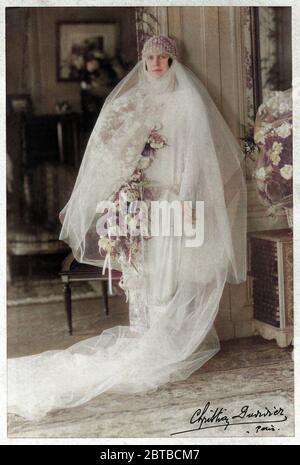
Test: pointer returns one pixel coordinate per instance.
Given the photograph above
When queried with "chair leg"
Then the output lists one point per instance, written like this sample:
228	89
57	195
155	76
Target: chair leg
68	306
105	296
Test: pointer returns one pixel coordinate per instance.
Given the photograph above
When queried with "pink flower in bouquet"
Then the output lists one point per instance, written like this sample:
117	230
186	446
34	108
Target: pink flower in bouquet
155	140
153	143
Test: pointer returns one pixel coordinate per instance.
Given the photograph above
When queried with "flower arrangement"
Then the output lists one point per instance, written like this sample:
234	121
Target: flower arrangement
273	136
97	72
125	247
88	61
154	142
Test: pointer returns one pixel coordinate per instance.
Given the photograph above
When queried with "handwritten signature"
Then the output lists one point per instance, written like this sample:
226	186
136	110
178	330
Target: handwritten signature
217	418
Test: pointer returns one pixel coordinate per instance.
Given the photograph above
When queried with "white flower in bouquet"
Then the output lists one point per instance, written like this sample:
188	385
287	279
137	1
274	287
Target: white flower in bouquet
286	172
259	136
114	230
106	243
132	223
129	194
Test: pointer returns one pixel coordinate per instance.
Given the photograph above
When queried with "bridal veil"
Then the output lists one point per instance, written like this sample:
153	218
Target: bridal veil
176	332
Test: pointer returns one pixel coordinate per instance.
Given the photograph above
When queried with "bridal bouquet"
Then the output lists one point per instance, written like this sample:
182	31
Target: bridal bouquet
136	188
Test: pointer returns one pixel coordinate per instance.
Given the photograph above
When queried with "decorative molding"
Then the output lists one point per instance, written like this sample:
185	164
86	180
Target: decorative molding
255	57
241	80
247	67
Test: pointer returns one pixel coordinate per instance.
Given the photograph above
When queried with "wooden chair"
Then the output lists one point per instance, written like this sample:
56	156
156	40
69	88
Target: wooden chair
73	271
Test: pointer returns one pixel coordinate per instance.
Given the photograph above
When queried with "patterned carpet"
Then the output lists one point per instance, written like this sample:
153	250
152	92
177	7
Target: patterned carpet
246	372
47	290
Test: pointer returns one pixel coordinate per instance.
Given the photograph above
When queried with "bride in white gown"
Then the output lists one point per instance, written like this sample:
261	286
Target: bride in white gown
159	125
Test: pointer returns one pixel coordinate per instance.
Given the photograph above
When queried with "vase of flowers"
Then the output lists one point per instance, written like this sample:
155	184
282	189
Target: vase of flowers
97	80
273	136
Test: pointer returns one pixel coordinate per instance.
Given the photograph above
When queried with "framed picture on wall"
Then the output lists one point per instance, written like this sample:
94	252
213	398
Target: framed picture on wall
80	45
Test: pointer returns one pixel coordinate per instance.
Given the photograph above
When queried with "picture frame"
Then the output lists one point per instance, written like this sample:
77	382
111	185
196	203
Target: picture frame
73	41
19	104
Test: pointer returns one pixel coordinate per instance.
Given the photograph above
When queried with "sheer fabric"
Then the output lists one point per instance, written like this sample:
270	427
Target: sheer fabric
175	290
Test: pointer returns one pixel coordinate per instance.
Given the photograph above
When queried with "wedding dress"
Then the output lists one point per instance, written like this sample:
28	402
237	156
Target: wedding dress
173	290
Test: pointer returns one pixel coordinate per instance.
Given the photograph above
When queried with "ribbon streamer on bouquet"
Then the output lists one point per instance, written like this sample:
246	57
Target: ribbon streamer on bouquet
107	263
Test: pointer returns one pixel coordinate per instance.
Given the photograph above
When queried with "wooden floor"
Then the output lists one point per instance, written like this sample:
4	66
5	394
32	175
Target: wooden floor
246	372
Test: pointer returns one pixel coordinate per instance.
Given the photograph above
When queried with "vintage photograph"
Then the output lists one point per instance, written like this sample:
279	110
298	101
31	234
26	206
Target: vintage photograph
149	188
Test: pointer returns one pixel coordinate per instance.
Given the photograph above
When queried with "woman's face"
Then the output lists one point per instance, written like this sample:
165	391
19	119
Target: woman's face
157	64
